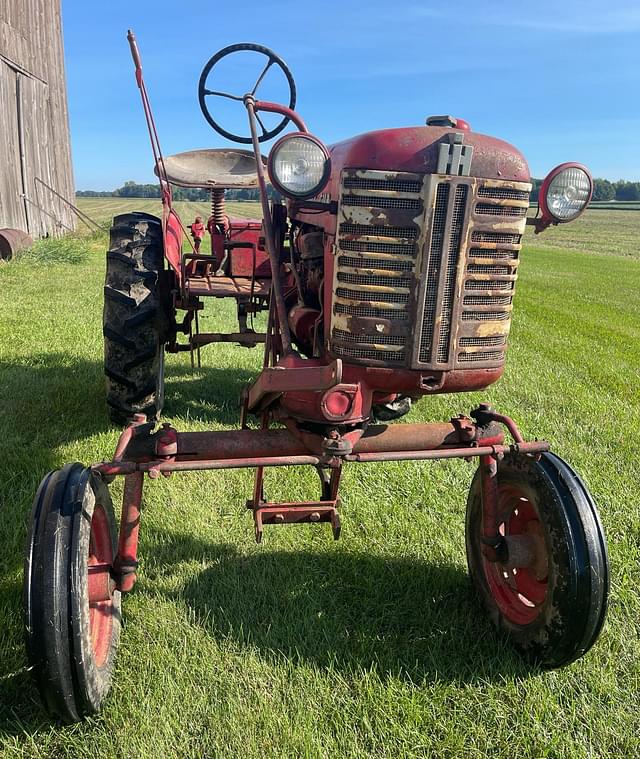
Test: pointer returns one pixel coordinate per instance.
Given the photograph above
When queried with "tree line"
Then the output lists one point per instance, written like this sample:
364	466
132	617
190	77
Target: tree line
134	190
603	190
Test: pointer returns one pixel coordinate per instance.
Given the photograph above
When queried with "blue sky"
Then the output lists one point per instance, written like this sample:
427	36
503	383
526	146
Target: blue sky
559	80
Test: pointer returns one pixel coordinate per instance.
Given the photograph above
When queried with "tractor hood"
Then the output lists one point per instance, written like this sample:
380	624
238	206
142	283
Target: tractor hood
418	149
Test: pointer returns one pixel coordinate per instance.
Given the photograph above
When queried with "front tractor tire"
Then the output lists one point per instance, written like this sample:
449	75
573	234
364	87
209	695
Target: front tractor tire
137	319
548	590
71	606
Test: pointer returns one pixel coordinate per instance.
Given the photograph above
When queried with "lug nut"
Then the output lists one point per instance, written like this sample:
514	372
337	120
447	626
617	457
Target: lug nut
315	516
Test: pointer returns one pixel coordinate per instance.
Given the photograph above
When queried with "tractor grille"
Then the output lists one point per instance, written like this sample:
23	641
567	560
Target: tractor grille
381	296
378	280
408	204
347	337
491	210
503	193
373	353
482	341
375	263
390	183
425	269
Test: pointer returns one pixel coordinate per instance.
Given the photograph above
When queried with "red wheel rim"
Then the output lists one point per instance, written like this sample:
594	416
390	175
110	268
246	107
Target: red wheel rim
100	585
519	592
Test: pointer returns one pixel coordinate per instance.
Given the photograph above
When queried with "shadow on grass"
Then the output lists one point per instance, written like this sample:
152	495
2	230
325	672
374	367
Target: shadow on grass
46	402
335	608
346	610
209	394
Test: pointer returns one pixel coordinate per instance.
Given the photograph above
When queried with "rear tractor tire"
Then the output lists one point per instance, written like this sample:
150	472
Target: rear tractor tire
138	318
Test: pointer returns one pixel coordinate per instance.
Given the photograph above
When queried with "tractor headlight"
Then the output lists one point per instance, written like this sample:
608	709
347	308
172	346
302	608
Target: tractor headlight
299	165
566	192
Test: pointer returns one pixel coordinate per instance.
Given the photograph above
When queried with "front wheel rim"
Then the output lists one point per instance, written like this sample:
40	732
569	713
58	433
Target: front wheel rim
101	586
519	592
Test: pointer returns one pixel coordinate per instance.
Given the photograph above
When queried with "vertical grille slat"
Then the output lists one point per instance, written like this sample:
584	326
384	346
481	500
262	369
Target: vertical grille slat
459	207
433	270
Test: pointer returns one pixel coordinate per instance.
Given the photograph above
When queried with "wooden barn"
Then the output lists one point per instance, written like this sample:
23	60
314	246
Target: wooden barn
36	177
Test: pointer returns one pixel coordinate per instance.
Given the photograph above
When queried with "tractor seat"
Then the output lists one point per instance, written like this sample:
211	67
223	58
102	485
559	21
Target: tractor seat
212	168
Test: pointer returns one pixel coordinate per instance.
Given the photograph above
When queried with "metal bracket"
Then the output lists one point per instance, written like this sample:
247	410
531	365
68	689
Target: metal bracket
297	513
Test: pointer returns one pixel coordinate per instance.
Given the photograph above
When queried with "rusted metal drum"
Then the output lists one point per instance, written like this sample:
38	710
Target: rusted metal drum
11	241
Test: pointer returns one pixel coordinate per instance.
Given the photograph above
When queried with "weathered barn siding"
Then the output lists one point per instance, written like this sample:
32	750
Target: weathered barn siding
35	151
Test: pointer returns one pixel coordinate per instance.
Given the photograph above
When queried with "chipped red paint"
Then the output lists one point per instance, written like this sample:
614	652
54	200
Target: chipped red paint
172	238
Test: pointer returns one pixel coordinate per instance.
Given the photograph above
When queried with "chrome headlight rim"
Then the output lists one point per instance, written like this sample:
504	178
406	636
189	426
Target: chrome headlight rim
279	186
546	185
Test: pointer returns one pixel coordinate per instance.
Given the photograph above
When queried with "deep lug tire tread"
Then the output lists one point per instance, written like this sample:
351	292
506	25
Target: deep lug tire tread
136	320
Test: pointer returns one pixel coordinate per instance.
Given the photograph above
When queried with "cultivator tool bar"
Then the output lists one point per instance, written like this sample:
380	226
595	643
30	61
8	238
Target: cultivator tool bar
140	450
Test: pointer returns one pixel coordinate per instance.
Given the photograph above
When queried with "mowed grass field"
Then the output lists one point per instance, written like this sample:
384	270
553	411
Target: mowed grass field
102	210
609	232
373	646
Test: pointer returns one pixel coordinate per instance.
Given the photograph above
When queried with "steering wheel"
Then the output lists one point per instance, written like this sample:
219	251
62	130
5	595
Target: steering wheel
204	92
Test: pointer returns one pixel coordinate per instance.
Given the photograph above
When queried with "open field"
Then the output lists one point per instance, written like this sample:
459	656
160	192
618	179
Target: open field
615	232
606	232
103	210
302	647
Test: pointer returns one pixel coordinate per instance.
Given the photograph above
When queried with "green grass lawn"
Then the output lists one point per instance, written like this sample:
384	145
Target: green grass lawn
303	647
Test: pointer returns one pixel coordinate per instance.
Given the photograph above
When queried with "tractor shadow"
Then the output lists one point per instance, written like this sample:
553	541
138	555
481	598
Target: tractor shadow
51	401
403	618
208	394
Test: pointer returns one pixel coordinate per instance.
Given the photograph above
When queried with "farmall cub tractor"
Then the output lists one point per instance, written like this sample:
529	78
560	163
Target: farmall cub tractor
388	275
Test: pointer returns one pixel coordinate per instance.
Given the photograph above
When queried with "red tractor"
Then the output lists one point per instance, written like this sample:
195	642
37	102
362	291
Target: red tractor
391	276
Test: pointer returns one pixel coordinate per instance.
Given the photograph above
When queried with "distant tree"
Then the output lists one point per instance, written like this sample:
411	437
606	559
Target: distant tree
603	189
132	189
94	194
627	190
535	190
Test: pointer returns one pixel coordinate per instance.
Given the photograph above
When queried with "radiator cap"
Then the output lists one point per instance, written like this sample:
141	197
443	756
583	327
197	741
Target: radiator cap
448	121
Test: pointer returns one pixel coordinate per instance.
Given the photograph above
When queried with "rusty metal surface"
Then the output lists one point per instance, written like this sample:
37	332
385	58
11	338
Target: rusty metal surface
247	339
12	241
197	463
310	512
209	168
292	374
226	287
416	149
450	453
126	560
281	444
425	269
